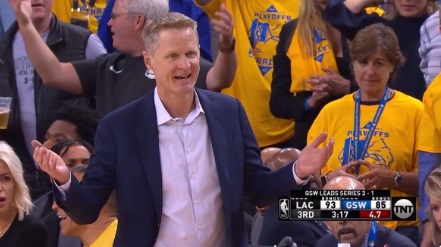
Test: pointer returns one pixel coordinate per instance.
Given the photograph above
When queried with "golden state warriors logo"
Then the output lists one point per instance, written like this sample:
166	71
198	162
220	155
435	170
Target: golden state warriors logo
322	45
378	151
264	36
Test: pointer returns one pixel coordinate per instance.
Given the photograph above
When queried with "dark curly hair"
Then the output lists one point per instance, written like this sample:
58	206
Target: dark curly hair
85	120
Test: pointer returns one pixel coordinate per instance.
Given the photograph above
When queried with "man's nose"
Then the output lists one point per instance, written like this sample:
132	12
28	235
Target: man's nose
184	62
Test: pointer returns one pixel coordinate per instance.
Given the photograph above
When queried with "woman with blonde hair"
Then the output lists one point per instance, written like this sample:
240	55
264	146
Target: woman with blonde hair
406	19
17	228
433	190
311	68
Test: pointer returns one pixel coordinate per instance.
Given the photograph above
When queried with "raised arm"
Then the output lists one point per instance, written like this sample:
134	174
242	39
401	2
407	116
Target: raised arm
221	75
356	6
349	16
53	73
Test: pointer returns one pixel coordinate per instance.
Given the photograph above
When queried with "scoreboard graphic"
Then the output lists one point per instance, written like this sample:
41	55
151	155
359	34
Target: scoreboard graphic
328	205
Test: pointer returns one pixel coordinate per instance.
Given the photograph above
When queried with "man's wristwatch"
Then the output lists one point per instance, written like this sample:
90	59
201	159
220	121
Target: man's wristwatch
229	48
398	178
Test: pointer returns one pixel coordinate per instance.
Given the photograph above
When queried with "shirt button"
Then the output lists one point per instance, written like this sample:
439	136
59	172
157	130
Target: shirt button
188	150
192	175
196	201
199	227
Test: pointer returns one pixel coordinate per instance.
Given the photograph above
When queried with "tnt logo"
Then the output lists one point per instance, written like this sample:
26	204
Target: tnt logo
404	208
284	209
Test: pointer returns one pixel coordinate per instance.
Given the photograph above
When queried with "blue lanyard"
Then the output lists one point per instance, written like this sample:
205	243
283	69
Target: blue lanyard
360	154
370	240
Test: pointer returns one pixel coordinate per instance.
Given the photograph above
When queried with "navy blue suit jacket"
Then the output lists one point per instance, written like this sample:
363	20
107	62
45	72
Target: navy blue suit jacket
126	158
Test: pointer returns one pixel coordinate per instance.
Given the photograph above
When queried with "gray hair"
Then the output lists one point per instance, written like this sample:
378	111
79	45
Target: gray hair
21	199
150	9
172	20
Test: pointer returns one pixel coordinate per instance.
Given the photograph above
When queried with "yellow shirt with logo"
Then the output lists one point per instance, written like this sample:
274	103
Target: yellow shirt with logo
394	142
257	27
430	130
62	9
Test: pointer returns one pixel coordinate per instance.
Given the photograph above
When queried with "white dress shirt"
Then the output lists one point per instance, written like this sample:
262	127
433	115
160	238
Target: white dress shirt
192	210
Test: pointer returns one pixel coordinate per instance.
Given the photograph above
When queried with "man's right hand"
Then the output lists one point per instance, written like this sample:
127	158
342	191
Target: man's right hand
23	10
51	163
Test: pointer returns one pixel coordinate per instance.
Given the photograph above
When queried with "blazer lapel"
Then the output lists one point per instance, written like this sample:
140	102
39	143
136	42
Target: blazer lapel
148	145
216	126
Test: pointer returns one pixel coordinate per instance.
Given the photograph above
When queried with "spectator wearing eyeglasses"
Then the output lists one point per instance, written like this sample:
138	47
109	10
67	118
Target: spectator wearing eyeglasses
119	78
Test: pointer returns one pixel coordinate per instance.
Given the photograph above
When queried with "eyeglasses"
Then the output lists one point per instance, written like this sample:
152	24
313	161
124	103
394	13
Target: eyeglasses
79	169
116	15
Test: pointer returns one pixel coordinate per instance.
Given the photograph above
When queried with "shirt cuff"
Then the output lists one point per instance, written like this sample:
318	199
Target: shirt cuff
298	180
64	187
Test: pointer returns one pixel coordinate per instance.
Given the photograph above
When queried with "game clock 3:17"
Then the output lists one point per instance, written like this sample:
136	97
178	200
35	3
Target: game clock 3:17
340	214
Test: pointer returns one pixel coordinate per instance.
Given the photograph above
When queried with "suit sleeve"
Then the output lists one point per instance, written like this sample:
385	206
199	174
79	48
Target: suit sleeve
84	201
263	186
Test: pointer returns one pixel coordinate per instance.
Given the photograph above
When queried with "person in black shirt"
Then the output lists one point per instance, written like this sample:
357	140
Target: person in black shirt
119	78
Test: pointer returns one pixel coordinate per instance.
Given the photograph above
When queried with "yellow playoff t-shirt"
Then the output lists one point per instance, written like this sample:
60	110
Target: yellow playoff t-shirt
257	27
430	130
62	9
393	144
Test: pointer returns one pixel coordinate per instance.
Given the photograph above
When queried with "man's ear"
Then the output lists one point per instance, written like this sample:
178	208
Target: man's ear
140	22
148	60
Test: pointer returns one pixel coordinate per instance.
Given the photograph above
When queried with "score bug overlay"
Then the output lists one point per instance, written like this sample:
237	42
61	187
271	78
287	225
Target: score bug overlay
326	205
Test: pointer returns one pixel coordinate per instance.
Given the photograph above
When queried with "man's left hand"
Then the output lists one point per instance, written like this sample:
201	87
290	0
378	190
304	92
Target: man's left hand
312	159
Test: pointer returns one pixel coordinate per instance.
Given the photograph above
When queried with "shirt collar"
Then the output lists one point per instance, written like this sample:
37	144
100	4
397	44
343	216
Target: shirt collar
163	116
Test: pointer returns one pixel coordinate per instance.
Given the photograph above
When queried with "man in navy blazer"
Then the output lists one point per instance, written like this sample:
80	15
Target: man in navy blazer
179	158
